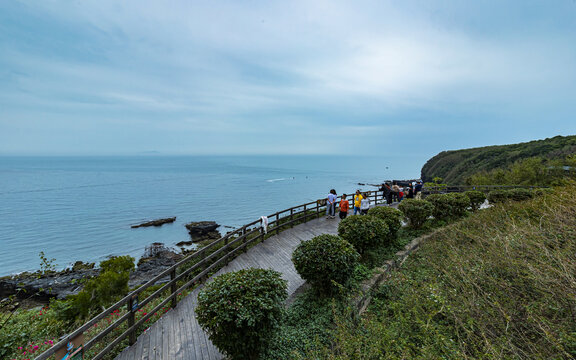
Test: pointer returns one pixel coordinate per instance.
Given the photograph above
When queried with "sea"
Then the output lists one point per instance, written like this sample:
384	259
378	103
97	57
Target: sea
82	208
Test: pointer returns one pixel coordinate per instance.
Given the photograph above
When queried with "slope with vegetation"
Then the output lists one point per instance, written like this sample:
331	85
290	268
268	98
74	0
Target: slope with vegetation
499	284
457	166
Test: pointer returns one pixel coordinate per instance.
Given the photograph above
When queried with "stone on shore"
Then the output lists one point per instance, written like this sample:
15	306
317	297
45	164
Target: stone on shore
203	230
158	222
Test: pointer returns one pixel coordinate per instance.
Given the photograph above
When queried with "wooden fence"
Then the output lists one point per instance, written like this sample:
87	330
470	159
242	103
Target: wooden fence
191	270
198	266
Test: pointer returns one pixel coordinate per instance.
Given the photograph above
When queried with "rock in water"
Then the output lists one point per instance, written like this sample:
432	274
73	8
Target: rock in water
203	230
158	222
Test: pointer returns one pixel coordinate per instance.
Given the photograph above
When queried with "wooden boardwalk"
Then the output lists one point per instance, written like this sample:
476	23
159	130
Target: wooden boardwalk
177	334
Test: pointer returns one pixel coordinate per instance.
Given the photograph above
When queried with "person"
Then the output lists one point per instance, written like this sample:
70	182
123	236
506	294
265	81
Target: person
331	205
395	191
418	190
357	199
364	204
401	194
388	193
344	206
410	194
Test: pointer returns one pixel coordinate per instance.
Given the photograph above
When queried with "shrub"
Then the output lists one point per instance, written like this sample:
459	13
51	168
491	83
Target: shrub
497	196
240	310
98	292
476	198
448	206
520	194
416	211
392	217
323	259
364	232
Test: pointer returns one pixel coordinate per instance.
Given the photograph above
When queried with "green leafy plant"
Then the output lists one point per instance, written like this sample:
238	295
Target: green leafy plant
364	232
99	292
392	217
497	196
520	194
240	310
46	265
325	259
476	198
448	206
416	211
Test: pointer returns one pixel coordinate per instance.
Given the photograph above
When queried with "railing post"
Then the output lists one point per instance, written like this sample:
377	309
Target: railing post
305	212
173	288
244	240
291	217
132	308
318	209
277	223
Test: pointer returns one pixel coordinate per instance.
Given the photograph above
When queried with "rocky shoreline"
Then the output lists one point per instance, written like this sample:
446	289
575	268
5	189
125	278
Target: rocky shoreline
38	287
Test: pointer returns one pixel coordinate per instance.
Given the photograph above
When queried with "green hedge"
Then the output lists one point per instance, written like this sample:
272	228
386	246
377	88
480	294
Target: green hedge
241	310
392	217
416	211
324	259
476	198
364	232
448	206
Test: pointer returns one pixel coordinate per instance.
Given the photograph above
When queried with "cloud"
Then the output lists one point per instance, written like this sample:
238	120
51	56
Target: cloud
288	72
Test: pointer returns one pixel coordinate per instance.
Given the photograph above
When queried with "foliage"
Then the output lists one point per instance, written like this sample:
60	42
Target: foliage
325	259
448	206
98	292
498	285
28	333
519	194
476	198
364	232
497	196
240	310
457	166
416	211
46	265
392	217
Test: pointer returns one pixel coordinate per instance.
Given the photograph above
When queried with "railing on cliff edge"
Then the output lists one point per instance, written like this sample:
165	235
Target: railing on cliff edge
185	274
198	266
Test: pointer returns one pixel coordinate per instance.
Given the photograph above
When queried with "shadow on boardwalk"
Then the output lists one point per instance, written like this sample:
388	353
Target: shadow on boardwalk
177	334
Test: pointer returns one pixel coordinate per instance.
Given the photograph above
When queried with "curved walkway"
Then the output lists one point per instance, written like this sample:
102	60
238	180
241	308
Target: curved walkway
177	335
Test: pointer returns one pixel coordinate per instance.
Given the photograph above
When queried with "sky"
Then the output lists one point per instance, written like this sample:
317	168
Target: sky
175	77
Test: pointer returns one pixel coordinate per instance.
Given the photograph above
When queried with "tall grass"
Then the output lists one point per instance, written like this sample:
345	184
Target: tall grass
500	284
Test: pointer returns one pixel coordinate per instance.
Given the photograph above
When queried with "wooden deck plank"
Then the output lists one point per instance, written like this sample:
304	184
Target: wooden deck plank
179	336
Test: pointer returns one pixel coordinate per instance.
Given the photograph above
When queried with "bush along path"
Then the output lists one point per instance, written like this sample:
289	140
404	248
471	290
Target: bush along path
177	335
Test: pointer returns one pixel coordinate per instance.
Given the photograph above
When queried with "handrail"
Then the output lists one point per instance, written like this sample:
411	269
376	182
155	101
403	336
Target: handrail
231	243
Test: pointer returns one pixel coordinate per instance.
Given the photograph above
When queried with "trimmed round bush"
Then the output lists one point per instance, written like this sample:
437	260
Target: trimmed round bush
476	198
240	310
416	211
364	232
323	259
497	196
392	217
449	206
520	194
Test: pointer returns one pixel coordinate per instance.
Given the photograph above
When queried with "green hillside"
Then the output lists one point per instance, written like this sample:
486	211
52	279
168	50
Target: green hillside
457	165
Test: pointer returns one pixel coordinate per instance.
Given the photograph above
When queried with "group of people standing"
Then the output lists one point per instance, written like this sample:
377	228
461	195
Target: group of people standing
361	204
392	193
396	193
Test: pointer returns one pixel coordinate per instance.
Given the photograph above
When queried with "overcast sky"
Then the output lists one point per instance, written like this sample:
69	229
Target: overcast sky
406	78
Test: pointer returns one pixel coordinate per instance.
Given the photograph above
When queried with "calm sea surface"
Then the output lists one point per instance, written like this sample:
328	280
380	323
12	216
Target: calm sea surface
81	208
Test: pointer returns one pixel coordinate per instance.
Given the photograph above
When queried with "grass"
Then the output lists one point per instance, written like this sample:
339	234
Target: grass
500	284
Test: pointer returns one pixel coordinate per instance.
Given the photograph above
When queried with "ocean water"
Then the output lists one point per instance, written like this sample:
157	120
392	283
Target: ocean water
81	208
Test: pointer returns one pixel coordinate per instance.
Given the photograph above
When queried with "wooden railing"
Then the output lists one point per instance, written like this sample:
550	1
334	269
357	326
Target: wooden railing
191	270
